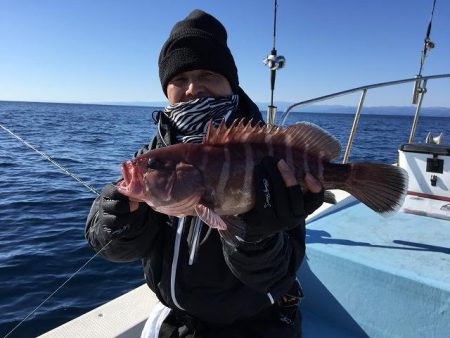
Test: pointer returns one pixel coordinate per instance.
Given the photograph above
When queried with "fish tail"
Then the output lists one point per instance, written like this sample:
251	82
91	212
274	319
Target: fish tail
382	187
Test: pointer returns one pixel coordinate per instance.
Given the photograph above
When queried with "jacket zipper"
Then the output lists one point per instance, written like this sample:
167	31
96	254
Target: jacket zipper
195	240
176	253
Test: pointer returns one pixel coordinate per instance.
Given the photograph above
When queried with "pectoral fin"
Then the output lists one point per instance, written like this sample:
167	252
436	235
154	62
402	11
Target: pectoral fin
235	230
231	228
210	217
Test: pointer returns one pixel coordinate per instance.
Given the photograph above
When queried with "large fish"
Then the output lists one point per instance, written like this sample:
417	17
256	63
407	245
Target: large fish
214	180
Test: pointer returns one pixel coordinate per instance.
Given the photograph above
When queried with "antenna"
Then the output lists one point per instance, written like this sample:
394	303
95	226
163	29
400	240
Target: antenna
274	62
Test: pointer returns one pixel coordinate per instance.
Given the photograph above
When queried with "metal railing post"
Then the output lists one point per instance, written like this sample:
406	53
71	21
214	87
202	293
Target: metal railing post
355	125
422	92
271	115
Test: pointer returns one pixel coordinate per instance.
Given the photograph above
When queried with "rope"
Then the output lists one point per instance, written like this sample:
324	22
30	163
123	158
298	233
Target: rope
44	155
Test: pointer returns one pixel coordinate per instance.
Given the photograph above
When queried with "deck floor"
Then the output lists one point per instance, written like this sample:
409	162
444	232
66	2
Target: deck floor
407	244
378	276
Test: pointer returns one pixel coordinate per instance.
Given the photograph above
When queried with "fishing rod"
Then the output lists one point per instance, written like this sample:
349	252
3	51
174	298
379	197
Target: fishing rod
67	172
274	62
427	46
420	85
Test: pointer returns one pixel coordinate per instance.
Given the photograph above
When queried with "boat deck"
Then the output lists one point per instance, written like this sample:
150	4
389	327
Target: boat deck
364	275
378	276
123	317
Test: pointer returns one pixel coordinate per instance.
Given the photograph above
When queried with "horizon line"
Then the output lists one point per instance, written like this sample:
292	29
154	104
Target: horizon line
162	104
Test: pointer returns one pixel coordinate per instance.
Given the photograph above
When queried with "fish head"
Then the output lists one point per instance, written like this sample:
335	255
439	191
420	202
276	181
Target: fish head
164	180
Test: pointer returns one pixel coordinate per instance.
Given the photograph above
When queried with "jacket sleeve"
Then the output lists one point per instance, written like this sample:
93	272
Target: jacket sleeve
129	243
268	266
133	240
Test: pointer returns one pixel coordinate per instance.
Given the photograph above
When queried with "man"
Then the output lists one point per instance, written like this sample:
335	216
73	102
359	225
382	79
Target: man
208	286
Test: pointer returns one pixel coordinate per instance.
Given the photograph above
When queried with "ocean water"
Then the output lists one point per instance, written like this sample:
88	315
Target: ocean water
43	210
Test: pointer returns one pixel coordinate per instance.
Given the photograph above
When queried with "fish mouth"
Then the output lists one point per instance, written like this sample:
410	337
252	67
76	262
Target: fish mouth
131	185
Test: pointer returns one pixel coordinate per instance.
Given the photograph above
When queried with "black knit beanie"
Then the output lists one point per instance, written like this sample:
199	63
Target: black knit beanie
197	42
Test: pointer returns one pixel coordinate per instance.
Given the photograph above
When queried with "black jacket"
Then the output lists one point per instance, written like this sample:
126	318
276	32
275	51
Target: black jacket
224	283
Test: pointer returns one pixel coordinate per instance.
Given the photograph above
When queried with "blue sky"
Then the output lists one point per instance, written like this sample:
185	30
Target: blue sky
107	50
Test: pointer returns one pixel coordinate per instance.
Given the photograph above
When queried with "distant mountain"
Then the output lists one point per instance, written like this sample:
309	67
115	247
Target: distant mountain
134	103
282	106
376	110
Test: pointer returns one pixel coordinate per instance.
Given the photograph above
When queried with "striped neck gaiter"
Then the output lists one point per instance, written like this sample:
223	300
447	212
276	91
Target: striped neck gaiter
190	119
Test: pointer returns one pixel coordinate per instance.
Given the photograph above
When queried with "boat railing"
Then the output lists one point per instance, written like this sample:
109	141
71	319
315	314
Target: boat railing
420	89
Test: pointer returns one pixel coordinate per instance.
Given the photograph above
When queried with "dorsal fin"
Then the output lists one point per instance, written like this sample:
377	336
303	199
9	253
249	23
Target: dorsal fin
303	136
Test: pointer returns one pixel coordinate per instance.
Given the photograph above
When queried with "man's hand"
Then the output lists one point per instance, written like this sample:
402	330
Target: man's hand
116	211
280	203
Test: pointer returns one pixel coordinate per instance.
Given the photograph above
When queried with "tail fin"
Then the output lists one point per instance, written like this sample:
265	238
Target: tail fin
381	187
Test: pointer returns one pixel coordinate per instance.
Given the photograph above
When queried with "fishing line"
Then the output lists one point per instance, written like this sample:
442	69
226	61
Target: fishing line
60	287
67	172
48	158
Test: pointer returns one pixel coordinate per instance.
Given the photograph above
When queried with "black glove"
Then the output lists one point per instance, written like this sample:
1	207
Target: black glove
277	207
312	201
114	211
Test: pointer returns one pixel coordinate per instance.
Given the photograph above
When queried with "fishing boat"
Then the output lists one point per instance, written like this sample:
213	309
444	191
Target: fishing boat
364	274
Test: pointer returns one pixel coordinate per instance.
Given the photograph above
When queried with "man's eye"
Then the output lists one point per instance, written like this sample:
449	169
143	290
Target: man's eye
154	164
178	80
209	75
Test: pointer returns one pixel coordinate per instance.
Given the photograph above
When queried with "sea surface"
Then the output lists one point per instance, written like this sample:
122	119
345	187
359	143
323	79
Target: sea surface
43	210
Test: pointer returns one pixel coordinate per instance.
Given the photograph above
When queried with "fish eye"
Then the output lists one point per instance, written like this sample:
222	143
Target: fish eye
154	164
